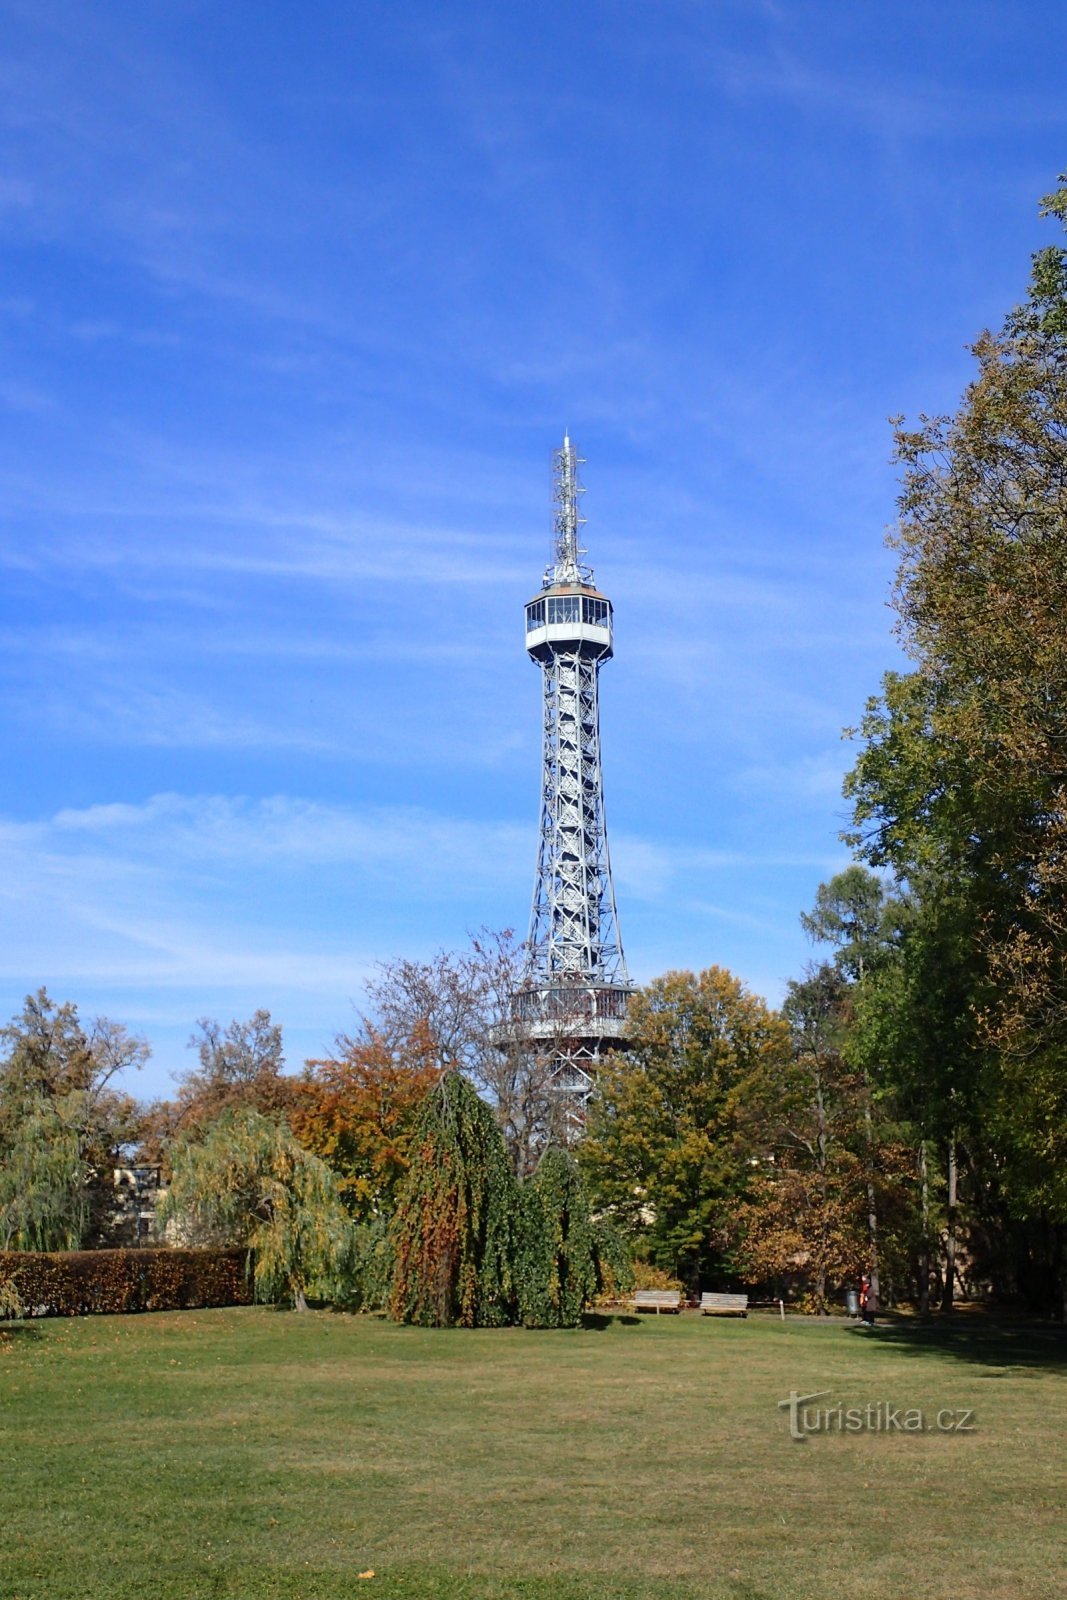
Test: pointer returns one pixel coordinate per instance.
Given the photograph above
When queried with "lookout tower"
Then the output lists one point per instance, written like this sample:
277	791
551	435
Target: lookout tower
573	997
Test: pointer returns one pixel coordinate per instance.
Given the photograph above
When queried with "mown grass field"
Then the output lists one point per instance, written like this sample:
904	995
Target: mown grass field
256	1453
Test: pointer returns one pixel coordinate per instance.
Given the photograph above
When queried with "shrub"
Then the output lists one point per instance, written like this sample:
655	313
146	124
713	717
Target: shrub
613	1258
73	1283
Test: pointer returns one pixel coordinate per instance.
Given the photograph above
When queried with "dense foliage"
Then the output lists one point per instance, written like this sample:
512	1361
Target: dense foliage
63	1126
455	1222
960	791
662	1150
556	1249
358	1112
77	1283
249	1182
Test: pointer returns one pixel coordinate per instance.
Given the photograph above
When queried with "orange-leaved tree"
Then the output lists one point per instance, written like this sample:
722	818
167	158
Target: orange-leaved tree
357	1112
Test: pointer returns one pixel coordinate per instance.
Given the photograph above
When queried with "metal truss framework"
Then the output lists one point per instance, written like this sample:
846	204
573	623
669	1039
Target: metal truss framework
574	926
573	999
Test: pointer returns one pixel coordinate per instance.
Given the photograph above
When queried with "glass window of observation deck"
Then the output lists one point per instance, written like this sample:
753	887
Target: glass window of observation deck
595	611
564	608
535	614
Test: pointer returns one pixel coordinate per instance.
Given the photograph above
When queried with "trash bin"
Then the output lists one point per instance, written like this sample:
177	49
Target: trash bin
852	1302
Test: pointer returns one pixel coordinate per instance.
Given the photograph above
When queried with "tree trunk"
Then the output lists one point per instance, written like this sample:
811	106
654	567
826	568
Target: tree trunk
821	1157
872	1198
1059	1275
299	1303
950	1229
924	1247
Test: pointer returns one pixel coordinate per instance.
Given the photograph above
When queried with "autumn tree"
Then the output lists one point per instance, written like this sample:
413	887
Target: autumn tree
357	1111
806	1216
247	1181
454	1229
663	1149
239	1064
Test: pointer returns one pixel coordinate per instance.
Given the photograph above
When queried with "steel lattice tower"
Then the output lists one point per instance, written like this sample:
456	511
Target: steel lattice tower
573	999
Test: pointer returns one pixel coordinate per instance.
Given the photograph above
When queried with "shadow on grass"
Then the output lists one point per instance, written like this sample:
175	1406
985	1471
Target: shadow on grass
22	1332
988	1341
597	1321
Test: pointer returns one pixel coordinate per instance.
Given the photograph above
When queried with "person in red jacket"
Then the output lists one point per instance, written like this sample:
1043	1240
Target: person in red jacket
867	1305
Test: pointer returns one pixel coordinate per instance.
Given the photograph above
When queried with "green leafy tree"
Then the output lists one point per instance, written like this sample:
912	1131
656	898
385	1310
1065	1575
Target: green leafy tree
663	1151
556	1256
454	1228
961	787
44	1183
849	913
63	1125
981	591
247	1181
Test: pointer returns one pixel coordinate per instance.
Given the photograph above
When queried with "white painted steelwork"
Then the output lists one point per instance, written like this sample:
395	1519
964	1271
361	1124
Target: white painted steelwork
575	990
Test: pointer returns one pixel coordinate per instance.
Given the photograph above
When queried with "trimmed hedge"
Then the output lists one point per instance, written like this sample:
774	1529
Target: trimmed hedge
77	1283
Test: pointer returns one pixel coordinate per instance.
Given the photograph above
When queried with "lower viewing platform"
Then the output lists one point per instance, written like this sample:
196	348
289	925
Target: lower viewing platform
568	1011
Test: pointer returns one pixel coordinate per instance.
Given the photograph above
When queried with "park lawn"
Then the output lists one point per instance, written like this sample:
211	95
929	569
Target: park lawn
256	1453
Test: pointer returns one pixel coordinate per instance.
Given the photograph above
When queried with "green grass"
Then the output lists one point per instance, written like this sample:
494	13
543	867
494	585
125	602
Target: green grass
261	1454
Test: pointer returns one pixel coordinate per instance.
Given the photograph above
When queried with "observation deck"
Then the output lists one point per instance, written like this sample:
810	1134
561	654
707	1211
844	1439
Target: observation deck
569	617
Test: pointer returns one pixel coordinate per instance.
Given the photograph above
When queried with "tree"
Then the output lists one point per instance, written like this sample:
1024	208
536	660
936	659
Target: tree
454	1229
459	1006
358	1112
63	1124
44	1183
241	1064
247	1181
806	1217
556	1257
981	589
849	913
662	1149
961	786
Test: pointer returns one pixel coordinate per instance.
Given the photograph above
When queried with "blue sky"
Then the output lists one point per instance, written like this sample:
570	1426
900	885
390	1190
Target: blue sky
296	301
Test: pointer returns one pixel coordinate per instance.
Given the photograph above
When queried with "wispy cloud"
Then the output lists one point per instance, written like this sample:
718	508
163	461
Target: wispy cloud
915	106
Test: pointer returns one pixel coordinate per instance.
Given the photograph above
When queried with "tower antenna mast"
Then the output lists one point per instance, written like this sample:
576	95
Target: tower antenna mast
567	518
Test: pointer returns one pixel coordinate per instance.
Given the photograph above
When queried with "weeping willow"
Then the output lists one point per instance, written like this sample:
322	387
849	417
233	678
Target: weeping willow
43	1178
555	1268
249	1182
455	1223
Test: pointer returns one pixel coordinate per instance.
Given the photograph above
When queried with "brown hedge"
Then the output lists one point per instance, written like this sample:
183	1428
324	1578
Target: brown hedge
77	1283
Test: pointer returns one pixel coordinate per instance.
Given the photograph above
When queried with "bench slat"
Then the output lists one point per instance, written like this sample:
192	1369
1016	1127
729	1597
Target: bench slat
657	1300
729	1305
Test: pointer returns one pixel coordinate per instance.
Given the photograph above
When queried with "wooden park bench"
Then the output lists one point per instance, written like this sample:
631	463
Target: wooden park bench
658	1300
724	1305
